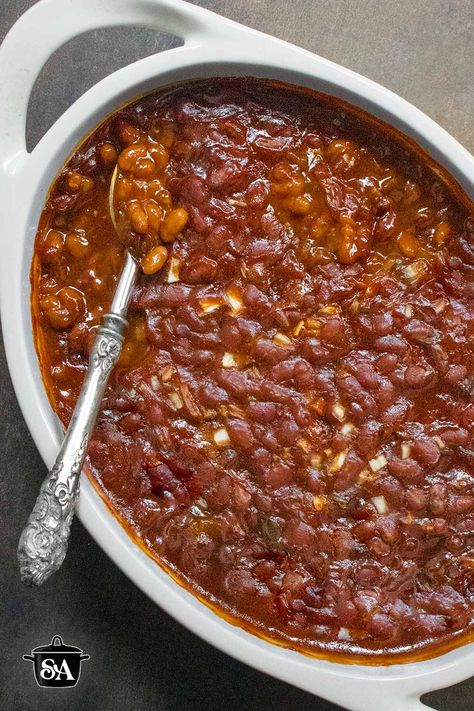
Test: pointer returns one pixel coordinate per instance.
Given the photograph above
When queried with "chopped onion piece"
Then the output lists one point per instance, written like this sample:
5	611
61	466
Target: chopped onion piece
167	373
344	634
347	428
228	360
329	310
406	450
281	340
439	305
175	401
313	324
377	463
408	311
155	383
339	411
314	156
173	271
298	328
208	305
221	437
304	444
439	442
338	461
234	299
319	405
315	460
415	270
364	475
239	203
319	502
195	510
380	504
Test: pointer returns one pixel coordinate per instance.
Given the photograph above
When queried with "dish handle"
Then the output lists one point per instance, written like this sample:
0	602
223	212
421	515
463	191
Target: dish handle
50	23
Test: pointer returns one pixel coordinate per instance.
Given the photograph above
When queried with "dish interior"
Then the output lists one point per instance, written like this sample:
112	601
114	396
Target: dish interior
289	428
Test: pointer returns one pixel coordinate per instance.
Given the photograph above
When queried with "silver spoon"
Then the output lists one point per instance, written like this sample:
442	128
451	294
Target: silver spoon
43	541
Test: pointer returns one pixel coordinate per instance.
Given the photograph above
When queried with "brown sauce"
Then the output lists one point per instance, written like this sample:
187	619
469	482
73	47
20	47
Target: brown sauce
289	428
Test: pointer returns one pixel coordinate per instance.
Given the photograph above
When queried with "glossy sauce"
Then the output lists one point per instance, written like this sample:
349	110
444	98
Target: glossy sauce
289	429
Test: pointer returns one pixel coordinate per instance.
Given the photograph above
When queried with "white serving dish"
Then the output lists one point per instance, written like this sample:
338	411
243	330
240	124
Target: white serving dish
213	46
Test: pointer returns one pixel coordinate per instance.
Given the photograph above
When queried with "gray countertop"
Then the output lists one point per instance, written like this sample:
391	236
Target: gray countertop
140	657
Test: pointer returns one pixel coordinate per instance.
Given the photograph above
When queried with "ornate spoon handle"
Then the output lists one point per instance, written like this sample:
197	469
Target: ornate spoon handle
43	542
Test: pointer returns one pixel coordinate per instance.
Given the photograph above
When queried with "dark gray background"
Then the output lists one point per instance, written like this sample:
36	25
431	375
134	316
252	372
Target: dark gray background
140	657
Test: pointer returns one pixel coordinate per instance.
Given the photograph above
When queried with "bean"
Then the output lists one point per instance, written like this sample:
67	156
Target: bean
455	374
378	546
462	504
154	213
365	530
419	331
167	136
412	192
128	134
352	245
442	233
108	153
241	434
64	308
383	323
164	198
200	270
138	217
74	182
264	412
51	246
77	245
154	260
417	376
282	171
391	344
453	436
405	469
416	499
129	424
294	185
408	244
338	146
174	223
426	451
134	159
87	184
298	205
437	499
279	474
131	352
123	188
387	363
383	627
159	154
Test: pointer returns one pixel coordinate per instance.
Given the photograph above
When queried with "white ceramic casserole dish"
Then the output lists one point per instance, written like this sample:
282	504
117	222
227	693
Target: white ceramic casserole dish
213	46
